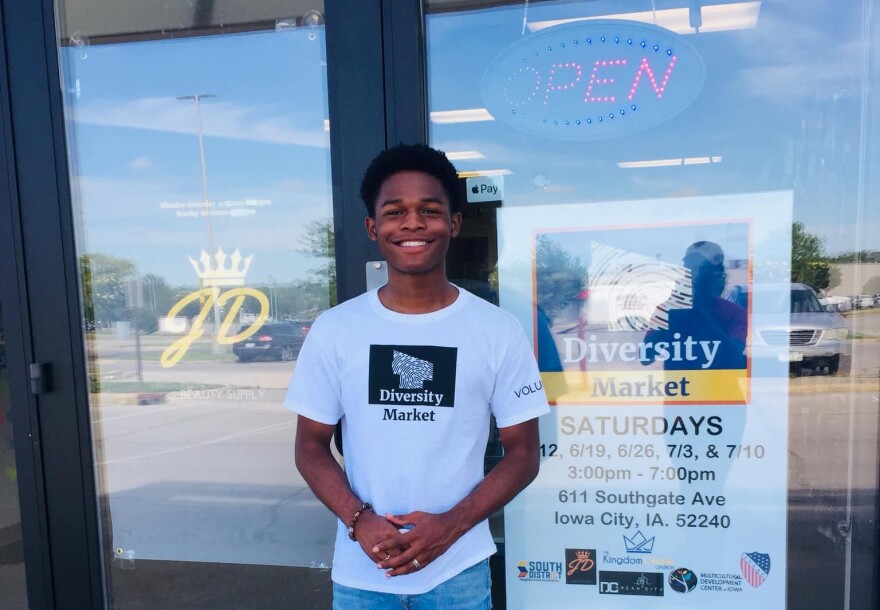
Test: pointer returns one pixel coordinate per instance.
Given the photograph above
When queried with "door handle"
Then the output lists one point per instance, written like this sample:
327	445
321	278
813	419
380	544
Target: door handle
41	377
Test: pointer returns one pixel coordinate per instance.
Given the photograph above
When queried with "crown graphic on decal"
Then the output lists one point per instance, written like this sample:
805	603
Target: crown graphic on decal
221	270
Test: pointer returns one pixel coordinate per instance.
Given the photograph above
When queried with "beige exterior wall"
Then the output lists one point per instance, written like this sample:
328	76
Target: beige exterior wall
856	278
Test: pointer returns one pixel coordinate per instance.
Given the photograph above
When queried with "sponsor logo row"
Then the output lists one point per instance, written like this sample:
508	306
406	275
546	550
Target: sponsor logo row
580	568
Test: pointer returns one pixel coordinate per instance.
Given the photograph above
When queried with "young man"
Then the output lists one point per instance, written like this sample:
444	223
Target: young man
414	371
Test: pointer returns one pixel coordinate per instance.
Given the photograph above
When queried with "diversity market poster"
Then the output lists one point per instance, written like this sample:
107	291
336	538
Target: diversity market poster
663	479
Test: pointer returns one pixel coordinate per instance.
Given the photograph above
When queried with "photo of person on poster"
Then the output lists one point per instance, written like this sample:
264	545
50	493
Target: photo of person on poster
712	319
646	299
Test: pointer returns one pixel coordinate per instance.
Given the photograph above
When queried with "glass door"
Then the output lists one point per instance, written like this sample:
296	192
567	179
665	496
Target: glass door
199	153
647	172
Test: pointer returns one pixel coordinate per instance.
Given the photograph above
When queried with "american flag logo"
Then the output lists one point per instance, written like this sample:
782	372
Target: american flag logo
755	567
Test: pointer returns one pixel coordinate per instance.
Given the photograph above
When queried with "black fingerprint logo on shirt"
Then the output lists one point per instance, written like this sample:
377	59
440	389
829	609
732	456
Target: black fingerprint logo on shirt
412	375
413	372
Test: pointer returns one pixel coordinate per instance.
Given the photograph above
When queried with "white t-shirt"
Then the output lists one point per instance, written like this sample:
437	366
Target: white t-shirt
415	392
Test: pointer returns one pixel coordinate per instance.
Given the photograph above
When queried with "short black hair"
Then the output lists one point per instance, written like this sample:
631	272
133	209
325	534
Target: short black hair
410	158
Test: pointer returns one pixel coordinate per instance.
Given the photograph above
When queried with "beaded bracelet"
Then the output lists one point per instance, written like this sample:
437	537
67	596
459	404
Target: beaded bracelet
354	520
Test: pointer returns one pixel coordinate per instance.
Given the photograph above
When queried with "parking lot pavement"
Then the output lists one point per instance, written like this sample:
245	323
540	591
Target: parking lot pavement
864	322
210	480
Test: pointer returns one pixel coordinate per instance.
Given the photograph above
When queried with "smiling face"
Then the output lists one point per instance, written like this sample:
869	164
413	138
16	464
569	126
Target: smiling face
413	224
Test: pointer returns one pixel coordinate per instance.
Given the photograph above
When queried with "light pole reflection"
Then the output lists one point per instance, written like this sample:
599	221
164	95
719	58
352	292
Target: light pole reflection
197	98
151	292
273	298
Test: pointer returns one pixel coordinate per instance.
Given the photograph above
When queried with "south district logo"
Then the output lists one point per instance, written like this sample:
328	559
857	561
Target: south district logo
544	571
682	580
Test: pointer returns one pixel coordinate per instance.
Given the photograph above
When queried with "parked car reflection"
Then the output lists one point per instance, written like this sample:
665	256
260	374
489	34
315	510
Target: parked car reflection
814	341
836	303
275	341
864	301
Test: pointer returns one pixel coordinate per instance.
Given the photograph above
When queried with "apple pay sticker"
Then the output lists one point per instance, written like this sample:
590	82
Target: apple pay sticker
485	188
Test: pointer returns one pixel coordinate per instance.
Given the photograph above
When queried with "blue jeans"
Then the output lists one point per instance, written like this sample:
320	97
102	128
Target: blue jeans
469	590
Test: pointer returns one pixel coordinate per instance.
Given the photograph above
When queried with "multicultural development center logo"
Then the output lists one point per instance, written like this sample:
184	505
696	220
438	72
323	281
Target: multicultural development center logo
215	273
755	567
683	580
580	566
412	376
645	319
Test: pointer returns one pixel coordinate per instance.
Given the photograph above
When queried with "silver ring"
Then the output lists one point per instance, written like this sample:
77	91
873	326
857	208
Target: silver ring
387	557
416	563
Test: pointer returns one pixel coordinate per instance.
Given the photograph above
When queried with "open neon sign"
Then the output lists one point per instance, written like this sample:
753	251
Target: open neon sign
592	80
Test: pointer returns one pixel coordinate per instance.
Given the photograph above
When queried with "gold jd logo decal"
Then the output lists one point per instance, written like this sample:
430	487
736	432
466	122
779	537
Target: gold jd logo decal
214	275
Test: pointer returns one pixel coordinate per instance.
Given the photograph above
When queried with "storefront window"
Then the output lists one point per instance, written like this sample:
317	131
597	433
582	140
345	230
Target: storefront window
200	170
12	580
677	200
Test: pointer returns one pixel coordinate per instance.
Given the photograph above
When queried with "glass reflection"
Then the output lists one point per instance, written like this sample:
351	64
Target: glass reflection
201	182
13	589
785	107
